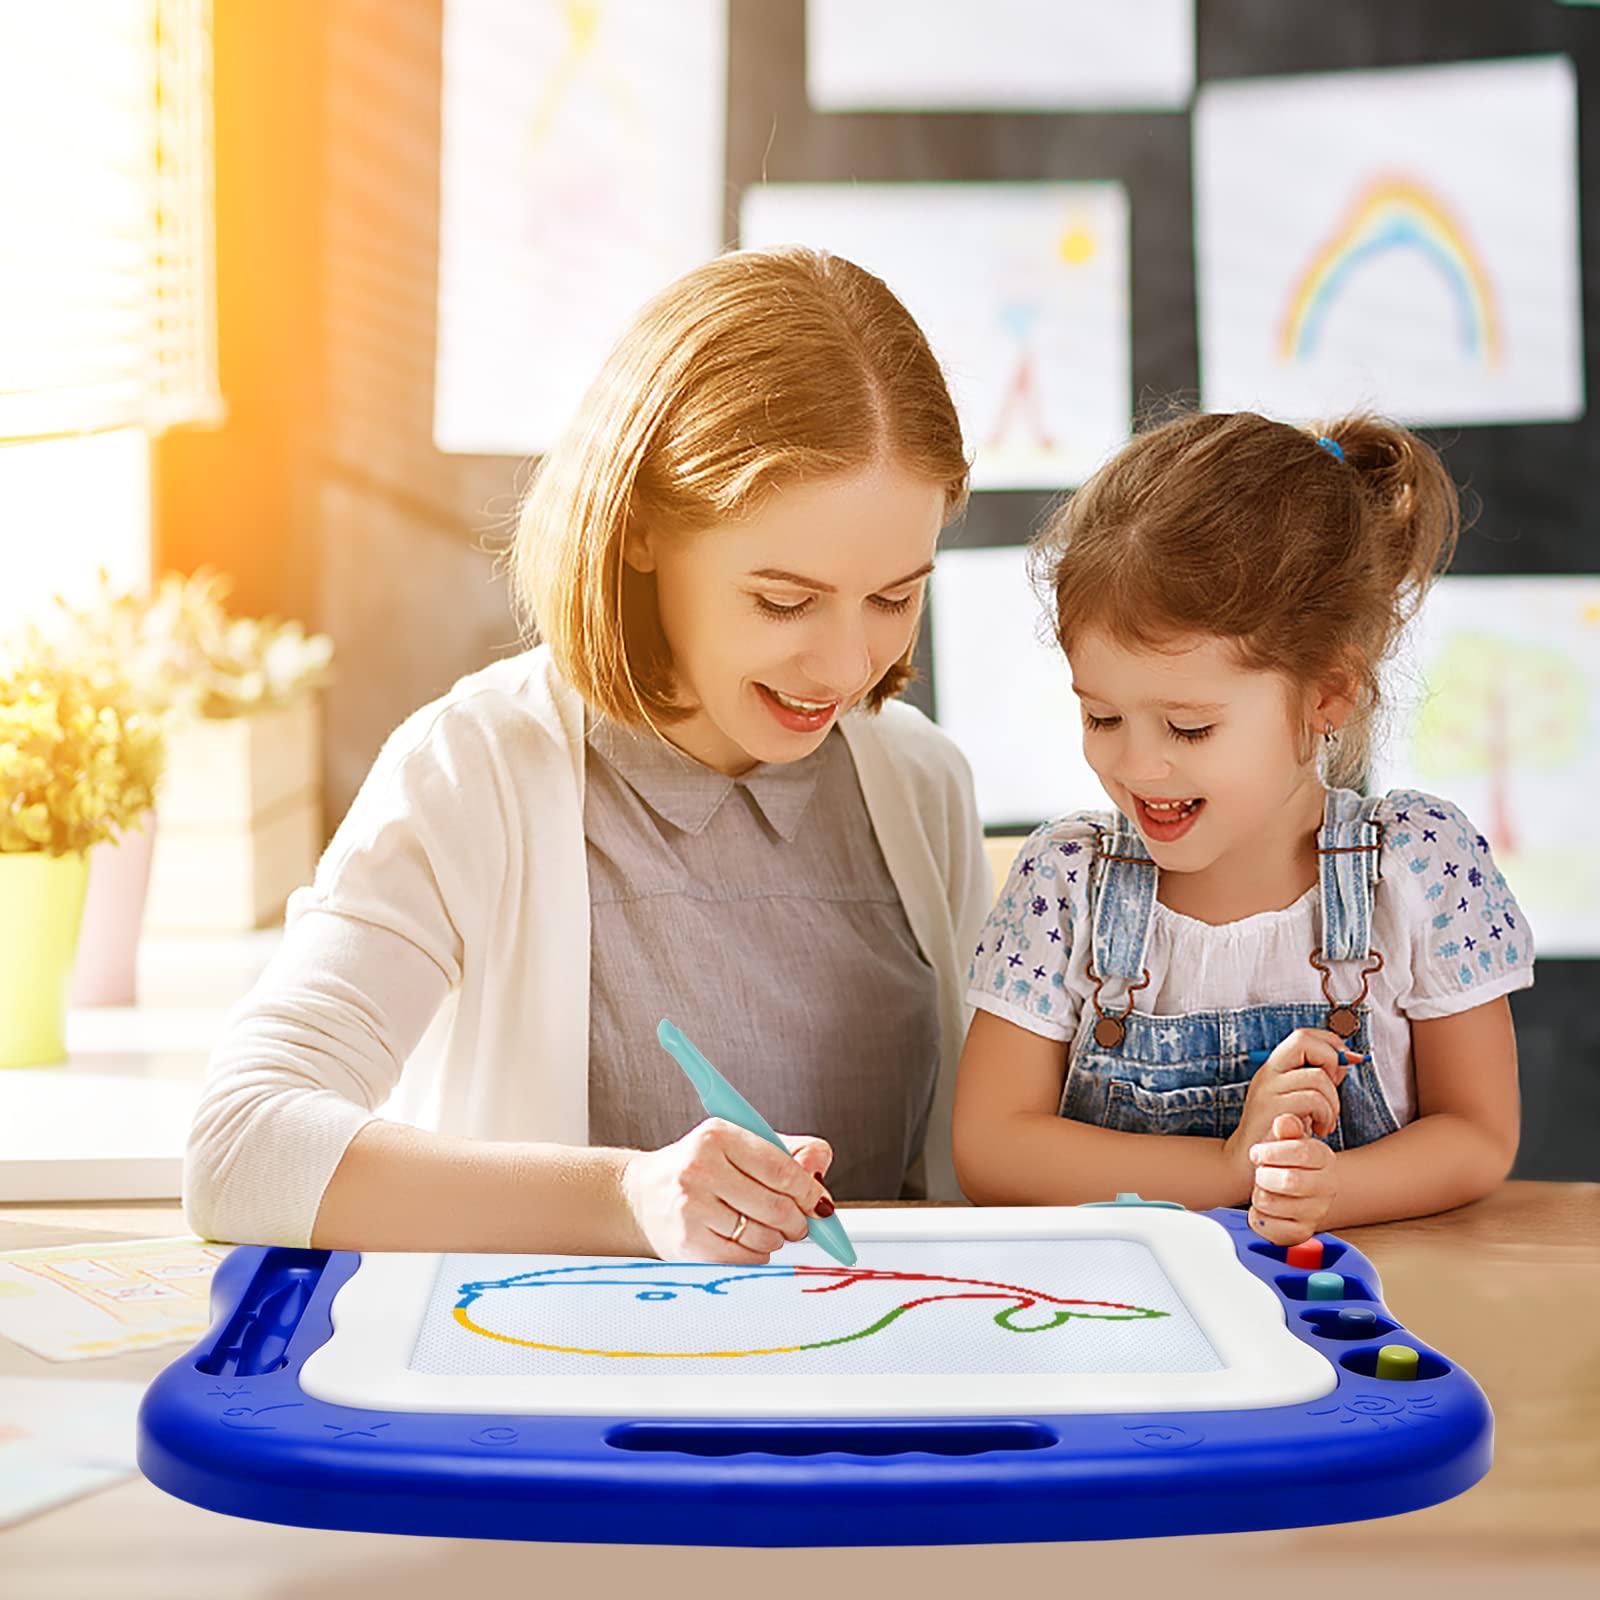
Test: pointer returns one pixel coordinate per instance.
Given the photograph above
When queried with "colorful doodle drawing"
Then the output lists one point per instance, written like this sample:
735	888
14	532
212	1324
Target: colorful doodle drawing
587	140
581	20
658	1281
1394	213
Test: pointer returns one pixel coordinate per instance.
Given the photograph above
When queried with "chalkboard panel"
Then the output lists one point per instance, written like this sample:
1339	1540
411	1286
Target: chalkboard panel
1527	489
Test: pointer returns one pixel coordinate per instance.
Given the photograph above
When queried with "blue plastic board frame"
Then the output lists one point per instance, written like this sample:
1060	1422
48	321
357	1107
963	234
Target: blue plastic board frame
229	1427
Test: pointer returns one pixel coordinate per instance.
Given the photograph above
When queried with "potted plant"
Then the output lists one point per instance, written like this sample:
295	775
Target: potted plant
240	806
79	762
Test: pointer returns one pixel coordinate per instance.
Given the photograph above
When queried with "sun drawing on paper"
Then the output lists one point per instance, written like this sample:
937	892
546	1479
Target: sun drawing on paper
493	1308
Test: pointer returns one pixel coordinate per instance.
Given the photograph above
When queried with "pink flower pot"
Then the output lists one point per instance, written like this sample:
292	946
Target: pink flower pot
106	973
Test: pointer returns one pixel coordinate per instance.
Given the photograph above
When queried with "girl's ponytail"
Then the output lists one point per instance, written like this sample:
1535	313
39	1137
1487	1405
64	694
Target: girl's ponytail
1410	515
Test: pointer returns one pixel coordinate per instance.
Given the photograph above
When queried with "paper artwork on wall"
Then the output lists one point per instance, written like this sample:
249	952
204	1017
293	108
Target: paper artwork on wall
1495	701
1404	240
581	170
1005	55
1002	690
1022	290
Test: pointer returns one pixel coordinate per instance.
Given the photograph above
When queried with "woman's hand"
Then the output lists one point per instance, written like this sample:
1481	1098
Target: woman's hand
1296	1182
688	1198
1300	1079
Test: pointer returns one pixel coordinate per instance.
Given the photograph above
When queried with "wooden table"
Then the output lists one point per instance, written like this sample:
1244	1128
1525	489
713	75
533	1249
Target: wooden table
1509	1287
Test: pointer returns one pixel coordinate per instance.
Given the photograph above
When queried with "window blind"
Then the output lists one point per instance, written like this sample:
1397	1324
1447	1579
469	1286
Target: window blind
107	273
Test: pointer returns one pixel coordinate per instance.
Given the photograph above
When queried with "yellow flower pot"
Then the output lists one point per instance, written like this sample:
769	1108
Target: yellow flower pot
41	907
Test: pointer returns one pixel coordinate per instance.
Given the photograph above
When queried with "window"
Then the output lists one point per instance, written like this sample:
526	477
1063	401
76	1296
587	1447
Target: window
107	283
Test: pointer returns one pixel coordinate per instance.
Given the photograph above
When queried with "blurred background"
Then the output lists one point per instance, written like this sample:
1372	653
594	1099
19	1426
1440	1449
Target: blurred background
293	292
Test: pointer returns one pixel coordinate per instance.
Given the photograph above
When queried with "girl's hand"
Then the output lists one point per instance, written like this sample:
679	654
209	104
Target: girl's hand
688	1197
1301	1079
1295	1184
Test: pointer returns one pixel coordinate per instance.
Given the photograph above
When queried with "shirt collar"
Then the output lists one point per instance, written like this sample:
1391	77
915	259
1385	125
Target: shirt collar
688	794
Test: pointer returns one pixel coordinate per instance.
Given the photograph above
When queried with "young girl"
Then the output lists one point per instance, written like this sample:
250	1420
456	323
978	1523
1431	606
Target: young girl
697	798
1224	591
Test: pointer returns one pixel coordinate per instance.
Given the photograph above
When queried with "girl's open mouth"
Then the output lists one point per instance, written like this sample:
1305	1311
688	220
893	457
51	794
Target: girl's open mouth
1167	822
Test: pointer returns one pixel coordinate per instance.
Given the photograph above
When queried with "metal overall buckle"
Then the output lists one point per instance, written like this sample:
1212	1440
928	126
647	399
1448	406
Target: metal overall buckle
1342	1019
1109	1032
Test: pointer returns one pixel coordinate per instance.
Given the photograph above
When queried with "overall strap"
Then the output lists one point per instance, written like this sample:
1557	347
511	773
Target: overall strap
1348	845
1123	889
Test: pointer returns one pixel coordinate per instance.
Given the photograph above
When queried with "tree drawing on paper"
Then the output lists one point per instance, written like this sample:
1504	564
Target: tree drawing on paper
1499	705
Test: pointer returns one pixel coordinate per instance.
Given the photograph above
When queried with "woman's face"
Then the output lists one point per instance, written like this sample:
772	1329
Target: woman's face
780	623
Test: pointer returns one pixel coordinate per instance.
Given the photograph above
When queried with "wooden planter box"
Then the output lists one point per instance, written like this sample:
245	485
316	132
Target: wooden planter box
240	820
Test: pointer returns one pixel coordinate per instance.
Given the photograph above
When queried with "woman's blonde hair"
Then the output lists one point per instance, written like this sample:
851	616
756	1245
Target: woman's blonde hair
759	369
1310	559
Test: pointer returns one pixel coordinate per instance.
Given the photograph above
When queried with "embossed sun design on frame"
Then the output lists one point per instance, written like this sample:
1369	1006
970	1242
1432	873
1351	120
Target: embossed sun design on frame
494	1307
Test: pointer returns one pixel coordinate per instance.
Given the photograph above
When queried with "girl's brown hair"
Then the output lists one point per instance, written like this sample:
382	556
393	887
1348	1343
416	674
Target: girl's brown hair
760	368
1245	529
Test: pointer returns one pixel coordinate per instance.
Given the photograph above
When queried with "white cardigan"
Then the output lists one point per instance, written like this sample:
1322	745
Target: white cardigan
453	902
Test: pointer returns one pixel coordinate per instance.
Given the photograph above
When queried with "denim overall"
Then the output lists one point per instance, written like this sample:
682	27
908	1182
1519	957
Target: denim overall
1190	1074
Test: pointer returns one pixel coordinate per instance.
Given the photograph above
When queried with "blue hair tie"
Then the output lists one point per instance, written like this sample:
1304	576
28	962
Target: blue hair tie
1332	447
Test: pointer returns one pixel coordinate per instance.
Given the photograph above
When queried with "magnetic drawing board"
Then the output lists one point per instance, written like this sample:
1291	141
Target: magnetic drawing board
979	1376
1034	1310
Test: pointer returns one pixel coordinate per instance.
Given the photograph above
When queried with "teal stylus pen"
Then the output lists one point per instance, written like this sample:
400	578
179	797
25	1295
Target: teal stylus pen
721	1099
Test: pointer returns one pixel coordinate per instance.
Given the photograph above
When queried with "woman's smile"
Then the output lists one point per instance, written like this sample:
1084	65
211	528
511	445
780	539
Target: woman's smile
795	714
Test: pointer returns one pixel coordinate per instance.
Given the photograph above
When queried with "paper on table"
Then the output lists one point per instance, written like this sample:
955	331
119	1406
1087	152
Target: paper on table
60	1439
78	1302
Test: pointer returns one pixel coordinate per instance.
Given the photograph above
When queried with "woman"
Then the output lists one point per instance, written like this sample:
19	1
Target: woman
697	797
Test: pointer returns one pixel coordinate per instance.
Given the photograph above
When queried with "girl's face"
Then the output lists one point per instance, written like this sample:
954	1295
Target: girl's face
780	623
1204	756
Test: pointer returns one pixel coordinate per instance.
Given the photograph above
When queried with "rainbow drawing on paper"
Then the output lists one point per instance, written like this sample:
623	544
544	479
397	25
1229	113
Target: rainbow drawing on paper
1394	213
657	1282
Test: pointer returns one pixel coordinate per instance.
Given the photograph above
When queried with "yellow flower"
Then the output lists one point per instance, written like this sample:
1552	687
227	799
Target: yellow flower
79	761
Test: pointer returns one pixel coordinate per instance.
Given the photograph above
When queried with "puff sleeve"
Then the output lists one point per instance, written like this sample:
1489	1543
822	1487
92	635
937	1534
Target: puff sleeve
1028	967
1450	907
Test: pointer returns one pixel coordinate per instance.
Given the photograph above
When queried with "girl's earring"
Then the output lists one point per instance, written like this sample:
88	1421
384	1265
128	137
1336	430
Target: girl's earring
1325	765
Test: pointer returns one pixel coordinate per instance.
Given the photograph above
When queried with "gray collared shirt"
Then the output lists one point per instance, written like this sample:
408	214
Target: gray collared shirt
756	912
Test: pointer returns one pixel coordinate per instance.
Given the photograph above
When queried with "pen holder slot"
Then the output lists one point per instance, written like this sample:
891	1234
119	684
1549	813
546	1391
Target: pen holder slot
1326	1325
1295	1288
940	1438
1365	1364
1277	1252
256	1339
